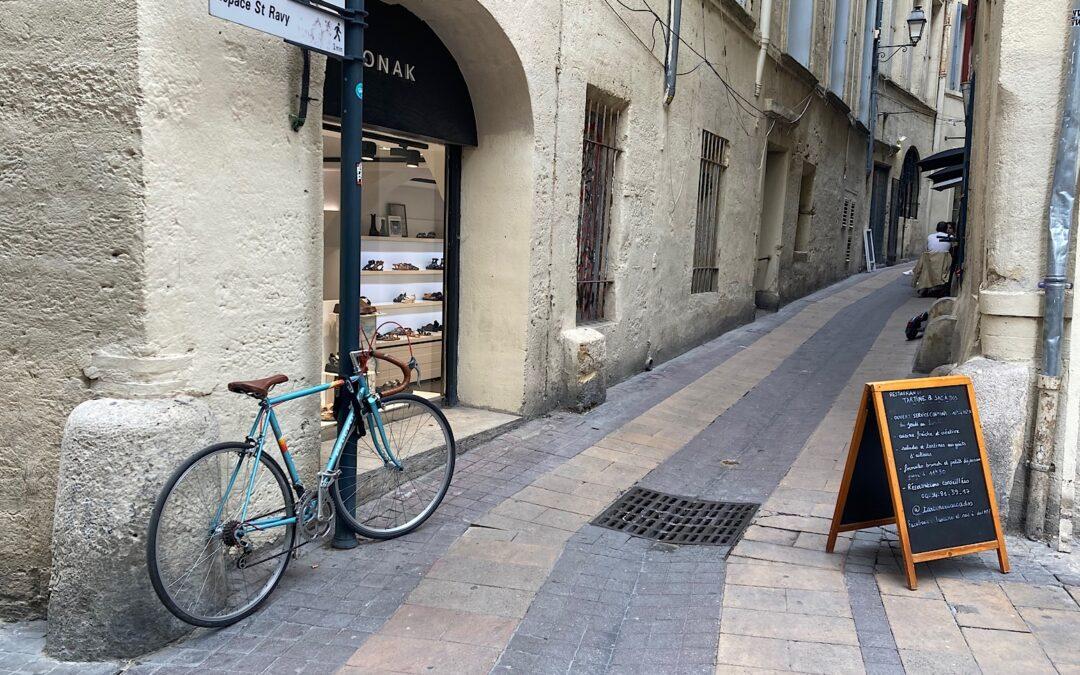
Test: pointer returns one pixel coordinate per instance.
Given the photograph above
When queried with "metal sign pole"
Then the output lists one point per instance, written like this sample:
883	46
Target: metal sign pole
352	125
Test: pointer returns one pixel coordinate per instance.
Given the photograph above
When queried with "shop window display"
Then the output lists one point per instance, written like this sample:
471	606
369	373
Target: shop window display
402	253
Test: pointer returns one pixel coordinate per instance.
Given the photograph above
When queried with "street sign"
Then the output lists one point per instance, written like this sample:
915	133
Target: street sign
293	21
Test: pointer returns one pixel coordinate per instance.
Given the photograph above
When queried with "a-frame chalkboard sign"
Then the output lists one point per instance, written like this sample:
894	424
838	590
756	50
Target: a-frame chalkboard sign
917	460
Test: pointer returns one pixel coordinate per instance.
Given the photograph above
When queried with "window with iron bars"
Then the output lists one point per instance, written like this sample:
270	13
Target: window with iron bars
706	272
847	228
599	160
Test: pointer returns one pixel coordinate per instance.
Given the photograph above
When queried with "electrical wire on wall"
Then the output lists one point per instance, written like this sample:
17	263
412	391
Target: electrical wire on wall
634	33
740	101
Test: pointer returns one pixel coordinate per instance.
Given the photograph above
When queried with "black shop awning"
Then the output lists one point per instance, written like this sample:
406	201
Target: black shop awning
943	159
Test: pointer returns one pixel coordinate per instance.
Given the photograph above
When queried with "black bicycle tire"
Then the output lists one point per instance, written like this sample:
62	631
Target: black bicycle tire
151	538
364	531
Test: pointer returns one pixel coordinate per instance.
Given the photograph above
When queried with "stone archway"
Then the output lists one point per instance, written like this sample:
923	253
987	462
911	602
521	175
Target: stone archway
496	204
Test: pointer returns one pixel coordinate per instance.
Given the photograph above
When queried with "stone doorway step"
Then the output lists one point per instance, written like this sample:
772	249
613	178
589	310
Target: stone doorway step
472	426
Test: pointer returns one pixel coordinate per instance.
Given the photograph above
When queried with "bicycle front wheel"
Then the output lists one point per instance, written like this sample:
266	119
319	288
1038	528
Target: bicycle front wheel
398	485
211	563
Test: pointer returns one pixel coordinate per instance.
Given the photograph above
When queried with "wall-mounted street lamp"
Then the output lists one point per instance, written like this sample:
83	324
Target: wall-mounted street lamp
916	23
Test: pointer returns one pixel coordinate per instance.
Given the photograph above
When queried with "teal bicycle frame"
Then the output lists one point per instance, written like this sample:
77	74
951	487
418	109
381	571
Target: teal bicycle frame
357	388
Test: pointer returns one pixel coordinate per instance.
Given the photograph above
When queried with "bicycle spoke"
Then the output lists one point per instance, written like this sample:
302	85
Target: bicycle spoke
184	549
391	499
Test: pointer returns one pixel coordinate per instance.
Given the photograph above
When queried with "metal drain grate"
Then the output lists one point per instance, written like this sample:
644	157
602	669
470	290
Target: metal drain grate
677	520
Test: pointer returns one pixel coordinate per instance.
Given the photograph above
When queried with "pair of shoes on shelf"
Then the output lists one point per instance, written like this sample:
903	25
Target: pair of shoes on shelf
333	364
386	386
374	266
435	264
326	413
426	235
387	337
433	327
437	296
366	308
406	298
405	267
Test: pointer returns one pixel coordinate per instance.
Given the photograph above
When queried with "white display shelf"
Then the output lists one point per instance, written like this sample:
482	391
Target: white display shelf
405	307
402	240
403	273
415	340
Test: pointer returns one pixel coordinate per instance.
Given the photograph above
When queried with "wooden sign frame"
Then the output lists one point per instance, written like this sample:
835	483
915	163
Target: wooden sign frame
873	394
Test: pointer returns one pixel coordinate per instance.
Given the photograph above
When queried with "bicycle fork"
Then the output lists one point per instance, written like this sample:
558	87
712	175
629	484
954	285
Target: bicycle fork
374	424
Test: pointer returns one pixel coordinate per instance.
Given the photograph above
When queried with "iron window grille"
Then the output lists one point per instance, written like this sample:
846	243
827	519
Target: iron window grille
706	273
847	228
599	159
909	186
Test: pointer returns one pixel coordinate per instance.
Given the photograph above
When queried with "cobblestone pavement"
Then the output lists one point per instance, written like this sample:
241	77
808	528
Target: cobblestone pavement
510	576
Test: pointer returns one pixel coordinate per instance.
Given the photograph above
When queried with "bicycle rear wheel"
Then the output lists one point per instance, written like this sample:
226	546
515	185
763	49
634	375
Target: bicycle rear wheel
390	500
207	566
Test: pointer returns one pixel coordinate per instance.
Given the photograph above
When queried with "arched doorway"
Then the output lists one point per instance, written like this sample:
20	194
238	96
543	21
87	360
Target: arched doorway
905	203
464	98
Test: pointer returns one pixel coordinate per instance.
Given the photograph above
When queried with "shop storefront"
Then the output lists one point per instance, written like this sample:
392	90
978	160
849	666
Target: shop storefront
418	116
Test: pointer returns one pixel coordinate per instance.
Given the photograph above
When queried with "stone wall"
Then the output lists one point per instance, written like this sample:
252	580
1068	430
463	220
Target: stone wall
72	273
161	214
1018	59
233	211
653	315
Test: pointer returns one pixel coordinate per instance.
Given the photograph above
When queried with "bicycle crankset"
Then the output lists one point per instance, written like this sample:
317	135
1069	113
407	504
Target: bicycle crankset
315	515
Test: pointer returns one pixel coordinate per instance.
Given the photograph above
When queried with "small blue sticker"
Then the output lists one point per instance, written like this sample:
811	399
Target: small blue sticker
360	90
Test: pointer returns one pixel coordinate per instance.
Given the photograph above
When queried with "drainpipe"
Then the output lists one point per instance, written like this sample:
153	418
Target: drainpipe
766	39
671	67
1061	215
875	69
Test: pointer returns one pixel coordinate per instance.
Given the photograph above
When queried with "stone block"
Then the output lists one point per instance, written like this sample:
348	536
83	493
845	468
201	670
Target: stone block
115	457
936	346
942	307
584	352
1003	392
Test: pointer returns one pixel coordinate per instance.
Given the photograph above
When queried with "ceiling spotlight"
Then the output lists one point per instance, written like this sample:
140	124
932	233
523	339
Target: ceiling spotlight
413	159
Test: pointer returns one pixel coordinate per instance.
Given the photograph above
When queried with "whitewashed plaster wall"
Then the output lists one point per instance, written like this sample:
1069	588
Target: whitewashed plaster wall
162	234
234	221
71	250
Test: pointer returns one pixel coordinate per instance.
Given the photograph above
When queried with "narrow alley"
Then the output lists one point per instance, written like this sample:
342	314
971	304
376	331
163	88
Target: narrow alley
511	576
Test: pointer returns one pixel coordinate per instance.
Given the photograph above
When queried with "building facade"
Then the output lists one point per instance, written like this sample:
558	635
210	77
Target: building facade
1017	85
168	229
918	111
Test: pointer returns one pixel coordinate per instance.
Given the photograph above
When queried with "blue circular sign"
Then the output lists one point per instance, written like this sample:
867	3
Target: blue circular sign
360	90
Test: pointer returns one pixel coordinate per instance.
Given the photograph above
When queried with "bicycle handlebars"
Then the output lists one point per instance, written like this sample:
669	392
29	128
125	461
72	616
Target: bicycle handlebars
405	372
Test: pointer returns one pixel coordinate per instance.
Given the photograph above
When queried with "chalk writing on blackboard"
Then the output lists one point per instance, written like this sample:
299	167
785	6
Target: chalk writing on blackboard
917	460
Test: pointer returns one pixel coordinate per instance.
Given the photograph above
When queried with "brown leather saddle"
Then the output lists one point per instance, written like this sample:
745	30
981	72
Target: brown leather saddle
257	388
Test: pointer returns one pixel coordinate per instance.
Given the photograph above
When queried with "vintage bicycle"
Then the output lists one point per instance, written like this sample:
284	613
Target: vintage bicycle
227	521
